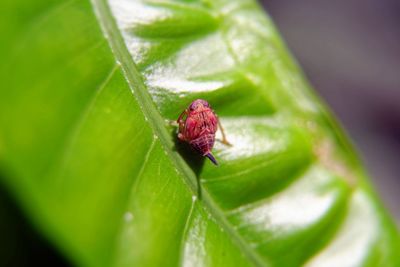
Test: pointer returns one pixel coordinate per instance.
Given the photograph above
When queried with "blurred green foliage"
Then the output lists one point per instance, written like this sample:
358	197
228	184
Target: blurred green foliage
86	88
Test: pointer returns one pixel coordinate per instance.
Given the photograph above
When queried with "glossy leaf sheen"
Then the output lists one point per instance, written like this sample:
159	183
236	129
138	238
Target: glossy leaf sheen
100	171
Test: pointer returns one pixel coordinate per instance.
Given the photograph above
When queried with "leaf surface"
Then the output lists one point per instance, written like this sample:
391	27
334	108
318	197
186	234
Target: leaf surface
87	90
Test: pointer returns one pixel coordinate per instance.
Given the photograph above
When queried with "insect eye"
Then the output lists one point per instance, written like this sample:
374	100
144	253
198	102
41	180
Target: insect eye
193	106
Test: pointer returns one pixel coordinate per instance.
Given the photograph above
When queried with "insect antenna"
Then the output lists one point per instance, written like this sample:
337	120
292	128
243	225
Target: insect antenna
211	157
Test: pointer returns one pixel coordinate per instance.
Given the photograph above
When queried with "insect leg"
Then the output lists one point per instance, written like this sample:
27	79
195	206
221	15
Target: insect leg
224	140
172	123
180	120
181	124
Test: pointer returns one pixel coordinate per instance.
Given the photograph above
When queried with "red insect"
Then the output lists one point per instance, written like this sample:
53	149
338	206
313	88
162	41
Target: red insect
197	126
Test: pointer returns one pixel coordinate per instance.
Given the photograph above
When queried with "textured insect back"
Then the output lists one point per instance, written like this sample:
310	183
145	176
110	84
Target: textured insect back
204	145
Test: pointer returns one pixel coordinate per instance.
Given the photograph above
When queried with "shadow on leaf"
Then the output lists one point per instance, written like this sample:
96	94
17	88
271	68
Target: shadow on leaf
192	158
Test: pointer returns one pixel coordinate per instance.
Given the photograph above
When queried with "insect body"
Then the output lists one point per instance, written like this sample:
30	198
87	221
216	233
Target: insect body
197	126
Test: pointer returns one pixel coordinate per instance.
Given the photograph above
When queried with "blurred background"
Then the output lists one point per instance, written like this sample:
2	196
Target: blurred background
350	51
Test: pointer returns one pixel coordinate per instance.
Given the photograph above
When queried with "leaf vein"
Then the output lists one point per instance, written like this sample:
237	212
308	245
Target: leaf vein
185	231
75	130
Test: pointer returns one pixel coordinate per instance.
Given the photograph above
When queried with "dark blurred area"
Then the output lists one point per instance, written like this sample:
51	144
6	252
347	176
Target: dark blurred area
21	244
350	51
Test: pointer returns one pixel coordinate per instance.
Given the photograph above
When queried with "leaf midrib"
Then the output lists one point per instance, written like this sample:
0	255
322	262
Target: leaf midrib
157	123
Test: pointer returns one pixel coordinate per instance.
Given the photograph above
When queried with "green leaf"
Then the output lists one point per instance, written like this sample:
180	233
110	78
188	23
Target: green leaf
86	89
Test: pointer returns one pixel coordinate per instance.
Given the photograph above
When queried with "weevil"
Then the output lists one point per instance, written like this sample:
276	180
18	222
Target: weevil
198	125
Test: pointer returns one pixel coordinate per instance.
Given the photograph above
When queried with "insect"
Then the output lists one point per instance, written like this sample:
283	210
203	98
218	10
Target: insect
197	126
